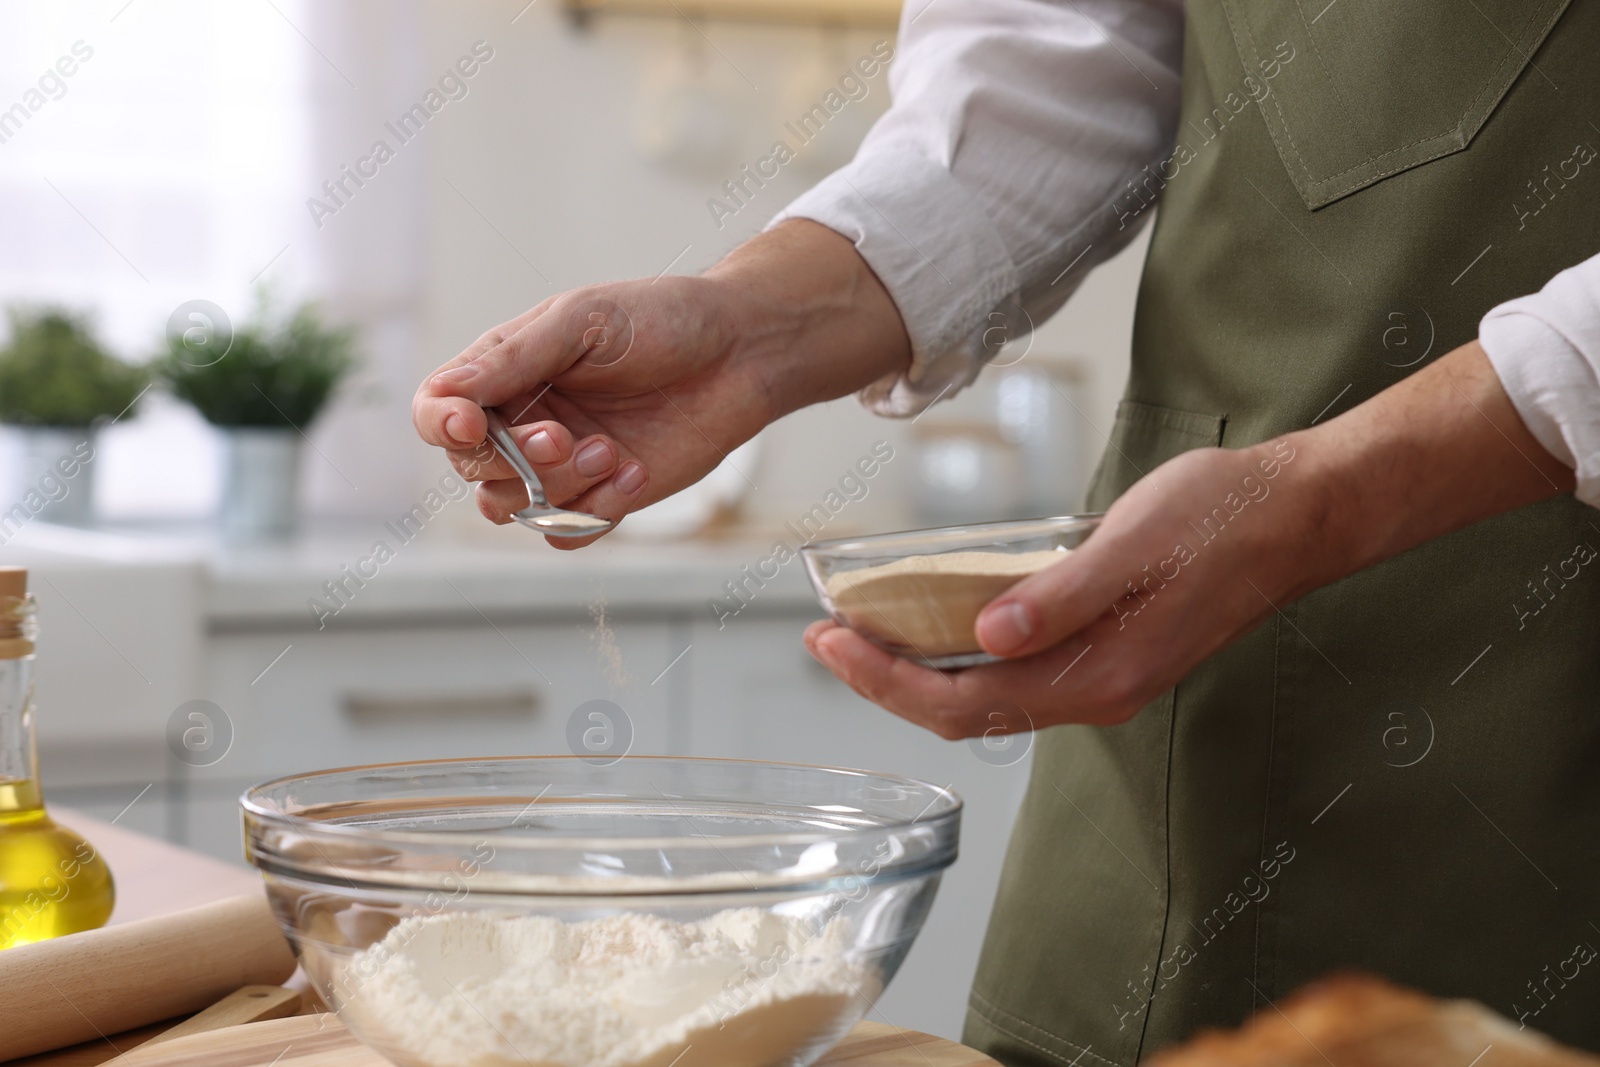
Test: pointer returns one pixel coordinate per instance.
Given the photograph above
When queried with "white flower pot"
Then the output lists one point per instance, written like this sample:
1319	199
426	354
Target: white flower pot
261	494
57	474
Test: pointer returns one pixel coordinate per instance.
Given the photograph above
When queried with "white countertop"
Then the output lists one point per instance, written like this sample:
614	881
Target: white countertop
504	573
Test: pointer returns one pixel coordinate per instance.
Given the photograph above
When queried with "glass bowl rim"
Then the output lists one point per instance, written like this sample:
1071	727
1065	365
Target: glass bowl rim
951	809
1015	527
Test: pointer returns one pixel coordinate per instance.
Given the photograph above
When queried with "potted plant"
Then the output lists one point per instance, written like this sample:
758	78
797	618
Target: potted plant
269	385
57	385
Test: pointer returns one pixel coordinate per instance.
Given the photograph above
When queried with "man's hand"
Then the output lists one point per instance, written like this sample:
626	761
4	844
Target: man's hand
601	386
1199	552
622	394
1129	612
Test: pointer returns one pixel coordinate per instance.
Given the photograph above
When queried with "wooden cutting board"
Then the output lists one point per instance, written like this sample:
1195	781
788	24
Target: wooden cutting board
322	1041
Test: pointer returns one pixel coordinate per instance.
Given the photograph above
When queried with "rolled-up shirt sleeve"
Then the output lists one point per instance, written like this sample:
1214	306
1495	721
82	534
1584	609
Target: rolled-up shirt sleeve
997	178
1546	349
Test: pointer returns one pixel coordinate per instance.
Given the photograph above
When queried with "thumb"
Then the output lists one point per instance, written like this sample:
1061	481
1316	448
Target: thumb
581	326
1046	608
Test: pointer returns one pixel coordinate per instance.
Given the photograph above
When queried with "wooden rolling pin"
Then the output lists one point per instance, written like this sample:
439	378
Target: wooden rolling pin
101	982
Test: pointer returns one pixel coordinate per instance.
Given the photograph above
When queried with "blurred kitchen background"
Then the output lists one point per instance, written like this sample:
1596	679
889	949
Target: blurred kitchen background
177	171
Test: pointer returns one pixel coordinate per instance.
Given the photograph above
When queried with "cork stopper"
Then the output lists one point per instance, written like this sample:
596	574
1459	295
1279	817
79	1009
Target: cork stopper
14	582
17	624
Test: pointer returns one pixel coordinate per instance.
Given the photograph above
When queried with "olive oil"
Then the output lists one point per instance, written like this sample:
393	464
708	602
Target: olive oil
52	882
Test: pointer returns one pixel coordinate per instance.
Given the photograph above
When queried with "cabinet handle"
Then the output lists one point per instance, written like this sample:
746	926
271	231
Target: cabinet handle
390	707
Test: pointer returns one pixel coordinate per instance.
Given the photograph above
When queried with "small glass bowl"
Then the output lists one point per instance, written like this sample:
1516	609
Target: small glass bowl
929	618
799	889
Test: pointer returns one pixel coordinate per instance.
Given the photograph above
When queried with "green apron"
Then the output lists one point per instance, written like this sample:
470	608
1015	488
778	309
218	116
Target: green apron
1400	773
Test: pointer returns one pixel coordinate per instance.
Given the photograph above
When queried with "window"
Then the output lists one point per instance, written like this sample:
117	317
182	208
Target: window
171	164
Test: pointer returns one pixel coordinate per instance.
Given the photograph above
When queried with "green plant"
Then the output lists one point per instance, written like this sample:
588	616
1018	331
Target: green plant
273	374
53	372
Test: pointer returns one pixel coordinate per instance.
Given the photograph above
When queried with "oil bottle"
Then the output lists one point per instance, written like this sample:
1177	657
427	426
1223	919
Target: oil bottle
52	882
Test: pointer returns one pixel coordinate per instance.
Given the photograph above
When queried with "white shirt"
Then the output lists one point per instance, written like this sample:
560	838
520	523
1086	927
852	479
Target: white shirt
985	194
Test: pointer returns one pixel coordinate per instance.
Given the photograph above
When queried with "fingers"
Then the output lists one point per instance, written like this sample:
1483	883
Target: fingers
593	475
455	422
577	468
614	496
497	499
517	358
1058	601
919	694
1070	683
612	499
592	461
435	413
1046	607
545	445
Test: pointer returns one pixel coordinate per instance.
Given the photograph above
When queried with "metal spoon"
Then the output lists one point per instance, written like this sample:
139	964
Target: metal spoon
540	514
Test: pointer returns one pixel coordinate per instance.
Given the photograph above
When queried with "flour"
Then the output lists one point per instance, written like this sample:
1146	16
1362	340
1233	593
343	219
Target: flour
741	988
930	604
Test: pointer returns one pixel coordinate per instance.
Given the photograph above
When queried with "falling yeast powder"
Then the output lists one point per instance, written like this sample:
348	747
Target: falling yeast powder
604	639
929	605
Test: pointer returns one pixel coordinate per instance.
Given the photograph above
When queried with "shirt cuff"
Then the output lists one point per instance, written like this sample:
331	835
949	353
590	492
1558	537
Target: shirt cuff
1544	347
929	243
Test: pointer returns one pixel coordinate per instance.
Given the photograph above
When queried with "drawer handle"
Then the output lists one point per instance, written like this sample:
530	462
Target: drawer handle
390	707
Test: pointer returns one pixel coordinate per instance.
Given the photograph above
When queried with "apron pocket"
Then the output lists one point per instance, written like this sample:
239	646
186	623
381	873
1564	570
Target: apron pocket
1363	89
1143	437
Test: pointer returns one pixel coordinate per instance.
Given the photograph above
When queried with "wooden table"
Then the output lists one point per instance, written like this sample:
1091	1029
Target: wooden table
322	1041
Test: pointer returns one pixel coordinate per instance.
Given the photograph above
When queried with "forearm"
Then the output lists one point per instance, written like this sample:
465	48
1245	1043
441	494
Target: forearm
1441	450
810	319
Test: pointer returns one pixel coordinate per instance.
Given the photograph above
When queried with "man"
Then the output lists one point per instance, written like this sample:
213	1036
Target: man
1324	684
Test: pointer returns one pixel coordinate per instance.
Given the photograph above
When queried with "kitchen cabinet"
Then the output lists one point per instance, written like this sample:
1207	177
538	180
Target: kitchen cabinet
404	692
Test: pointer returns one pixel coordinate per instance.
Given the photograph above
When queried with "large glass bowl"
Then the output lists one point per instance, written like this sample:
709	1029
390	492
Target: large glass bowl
550	910
926	614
